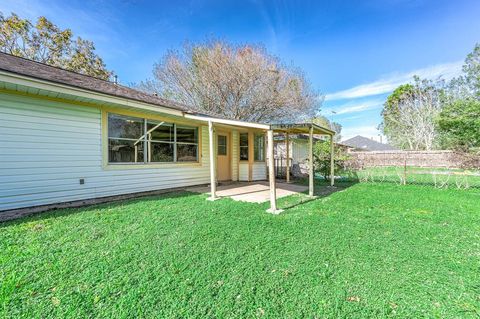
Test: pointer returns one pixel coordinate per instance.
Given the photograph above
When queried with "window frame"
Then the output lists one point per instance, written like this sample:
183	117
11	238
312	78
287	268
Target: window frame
244	146
146	163
263	147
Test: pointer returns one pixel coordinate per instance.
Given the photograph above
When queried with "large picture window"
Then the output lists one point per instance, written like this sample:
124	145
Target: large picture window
138	140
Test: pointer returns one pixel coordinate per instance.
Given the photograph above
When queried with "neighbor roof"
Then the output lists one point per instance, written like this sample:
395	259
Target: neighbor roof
366	144
42	71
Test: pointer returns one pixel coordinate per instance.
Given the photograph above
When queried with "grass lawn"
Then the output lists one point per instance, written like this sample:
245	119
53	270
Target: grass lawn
369	250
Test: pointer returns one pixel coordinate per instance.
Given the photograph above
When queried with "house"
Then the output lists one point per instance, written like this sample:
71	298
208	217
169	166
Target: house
298	151
67	137
361	143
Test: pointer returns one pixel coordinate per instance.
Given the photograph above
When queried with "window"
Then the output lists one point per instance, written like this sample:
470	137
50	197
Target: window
259	147
244	146
137	140
187	144
125	139
222	145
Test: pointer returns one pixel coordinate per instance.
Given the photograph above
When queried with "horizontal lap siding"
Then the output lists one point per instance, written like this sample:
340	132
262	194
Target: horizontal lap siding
259	171
243	172
47	146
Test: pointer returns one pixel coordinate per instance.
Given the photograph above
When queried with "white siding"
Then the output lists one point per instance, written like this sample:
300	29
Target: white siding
46	147
243	171
235	155
259	171
299	151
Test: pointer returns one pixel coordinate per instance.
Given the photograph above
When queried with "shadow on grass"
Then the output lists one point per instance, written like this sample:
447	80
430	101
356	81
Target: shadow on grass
61	212
321	189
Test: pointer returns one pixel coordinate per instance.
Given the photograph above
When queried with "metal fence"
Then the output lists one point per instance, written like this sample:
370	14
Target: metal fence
441	169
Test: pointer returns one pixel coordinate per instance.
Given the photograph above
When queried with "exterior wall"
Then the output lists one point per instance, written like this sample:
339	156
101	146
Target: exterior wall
298	150
243	171
47	146
259	171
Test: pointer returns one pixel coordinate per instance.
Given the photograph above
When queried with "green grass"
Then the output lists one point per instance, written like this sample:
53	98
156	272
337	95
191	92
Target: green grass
366	251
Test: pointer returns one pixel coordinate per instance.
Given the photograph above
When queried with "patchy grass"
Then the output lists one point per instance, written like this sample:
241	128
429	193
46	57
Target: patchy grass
366	251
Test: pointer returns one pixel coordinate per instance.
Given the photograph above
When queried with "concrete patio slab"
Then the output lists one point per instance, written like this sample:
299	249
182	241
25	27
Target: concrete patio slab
252	192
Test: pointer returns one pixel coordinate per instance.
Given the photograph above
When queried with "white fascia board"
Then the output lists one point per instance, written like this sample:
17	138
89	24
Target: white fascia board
228	122
66	89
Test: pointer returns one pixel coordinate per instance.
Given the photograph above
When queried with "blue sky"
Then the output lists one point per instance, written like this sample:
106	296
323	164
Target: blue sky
354	52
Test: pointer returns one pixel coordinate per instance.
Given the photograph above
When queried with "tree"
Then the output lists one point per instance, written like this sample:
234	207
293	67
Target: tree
468	84
237	82
459	122
321	159
409	115
45	42
334	126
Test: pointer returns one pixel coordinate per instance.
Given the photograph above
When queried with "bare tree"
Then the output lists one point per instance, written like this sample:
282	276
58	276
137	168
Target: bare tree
413	116
236	82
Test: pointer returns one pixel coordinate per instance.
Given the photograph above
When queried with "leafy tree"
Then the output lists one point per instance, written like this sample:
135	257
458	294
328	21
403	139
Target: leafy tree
238	82
459	122
45	42
321	159
334	126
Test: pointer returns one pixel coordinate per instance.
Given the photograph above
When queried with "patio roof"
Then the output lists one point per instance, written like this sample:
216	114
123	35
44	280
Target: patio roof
297	128
294	128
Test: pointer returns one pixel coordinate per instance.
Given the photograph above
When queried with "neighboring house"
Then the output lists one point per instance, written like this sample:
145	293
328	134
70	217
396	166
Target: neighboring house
360	143
68	137
298	152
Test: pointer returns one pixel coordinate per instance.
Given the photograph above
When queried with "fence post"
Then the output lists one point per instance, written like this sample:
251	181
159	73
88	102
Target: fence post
405	171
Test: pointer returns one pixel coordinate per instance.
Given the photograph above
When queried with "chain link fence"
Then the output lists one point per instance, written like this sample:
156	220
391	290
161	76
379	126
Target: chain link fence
441	169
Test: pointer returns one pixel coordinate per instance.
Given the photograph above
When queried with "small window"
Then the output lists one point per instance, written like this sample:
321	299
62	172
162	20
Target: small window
244	146
222	145
259	147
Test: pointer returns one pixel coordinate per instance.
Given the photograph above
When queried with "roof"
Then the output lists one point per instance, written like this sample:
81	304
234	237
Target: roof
302	128
29	68
42	71
367	144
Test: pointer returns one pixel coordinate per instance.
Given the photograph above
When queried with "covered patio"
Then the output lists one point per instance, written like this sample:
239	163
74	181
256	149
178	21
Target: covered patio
269	129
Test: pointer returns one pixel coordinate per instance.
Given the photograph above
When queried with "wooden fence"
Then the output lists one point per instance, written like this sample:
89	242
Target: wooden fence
432	159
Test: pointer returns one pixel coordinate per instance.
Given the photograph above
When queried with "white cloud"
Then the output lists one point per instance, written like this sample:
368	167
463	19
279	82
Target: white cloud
354	107
447	71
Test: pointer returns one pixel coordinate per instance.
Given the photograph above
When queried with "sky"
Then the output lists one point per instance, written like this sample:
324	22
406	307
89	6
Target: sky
353	52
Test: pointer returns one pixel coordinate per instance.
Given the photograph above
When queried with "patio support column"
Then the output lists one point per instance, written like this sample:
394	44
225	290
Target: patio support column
213	170
287	141
332	162
271	175
310	163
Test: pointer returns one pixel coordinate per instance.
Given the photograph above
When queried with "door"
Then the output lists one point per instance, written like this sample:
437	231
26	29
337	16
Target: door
223	157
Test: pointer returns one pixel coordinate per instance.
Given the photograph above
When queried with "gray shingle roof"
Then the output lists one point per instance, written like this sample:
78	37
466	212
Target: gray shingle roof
366	144
49	73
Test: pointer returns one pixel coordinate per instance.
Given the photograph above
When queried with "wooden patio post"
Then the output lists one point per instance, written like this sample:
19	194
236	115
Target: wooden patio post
310	168
332	162
271	175
287	141
213	171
